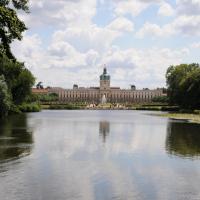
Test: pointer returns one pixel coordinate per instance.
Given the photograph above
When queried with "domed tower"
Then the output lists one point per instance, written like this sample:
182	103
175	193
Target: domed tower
105	80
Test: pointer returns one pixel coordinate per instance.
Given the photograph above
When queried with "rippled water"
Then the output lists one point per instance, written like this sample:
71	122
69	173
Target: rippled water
59	155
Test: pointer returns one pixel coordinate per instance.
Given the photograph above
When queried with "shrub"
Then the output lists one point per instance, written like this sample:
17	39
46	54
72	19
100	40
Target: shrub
32	107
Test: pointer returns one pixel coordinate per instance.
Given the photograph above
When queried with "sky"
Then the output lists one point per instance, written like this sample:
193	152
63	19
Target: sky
69	41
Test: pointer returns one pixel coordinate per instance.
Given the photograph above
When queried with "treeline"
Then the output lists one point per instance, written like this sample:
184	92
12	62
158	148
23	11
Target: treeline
183	83
43	98
16	80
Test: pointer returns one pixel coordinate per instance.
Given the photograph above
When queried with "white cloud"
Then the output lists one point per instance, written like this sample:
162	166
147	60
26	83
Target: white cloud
150	30
188	7
121	24
60	64
166	10
76	47
184	25
89	37
195	45
92	36
60	13
134	8
131	7
187	25
143	67
186	20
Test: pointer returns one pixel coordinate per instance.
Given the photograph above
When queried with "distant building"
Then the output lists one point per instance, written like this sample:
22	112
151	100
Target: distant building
106	93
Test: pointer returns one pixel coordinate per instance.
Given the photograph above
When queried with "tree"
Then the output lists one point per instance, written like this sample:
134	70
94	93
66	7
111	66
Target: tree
18	78
5	102
161	99
183	83
11	27
191	87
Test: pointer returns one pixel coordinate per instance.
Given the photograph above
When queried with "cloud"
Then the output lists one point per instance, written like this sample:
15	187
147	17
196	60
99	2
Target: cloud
77	45
142	67
89	37
92	36
188	7
187	25
186	20
166	10
195	45
149	29
134	8
183	25
121	24
60	64
60	13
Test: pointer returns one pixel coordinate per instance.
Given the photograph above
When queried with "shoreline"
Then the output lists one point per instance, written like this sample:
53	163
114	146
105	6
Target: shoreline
194	118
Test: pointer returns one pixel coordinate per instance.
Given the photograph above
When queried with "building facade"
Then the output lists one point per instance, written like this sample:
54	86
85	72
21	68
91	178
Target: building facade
105	93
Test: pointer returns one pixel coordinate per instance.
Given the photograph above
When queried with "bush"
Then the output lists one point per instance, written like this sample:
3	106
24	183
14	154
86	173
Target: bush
48	97
32	107
161	99
14	109
65	107
170	108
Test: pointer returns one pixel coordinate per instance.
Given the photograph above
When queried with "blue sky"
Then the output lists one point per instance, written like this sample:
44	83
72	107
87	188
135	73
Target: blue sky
69	41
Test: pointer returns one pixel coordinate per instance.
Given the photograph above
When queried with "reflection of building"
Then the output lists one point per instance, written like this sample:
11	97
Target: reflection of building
112	94
183	139
104	129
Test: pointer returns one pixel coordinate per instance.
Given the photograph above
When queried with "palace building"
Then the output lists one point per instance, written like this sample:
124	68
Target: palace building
105	93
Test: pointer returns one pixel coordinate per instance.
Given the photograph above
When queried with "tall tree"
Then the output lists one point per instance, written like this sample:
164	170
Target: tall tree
18	78
11	27
5	102
184	85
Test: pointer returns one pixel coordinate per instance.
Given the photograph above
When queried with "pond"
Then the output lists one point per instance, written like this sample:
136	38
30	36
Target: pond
98	155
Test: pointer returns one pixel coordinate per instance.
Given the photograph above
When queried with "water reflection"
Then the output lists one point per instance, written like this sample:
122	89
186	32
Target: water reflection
68	149
15	138
183	139
104	130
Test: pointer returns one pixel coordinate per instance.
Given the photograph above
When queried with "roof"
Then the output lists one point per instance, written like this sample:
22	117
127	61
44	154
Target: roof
105	76
116	88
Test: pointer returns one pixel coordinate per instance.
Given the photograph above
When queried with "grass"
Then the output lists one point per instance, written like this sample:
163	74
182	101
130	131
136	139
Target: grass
183	116
157	108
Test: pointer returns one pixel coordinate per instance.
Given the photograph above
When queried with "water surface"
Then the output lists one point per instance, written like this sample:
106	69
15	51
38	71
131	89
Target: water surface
100	155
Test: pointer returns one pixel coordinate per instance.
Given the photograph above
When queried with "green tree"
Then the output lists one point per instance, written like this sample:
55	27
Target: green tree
11	27
5	102
191	87
18	78
183	85
162	99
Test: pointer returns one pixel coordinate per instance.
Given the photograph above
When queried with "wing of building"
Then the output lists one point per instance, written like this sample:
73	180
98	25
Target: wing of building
106	93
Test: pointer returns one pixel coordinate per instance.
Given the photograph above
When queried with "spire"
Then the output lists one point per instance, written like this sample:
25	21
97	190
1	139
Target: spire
104	70
104	76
